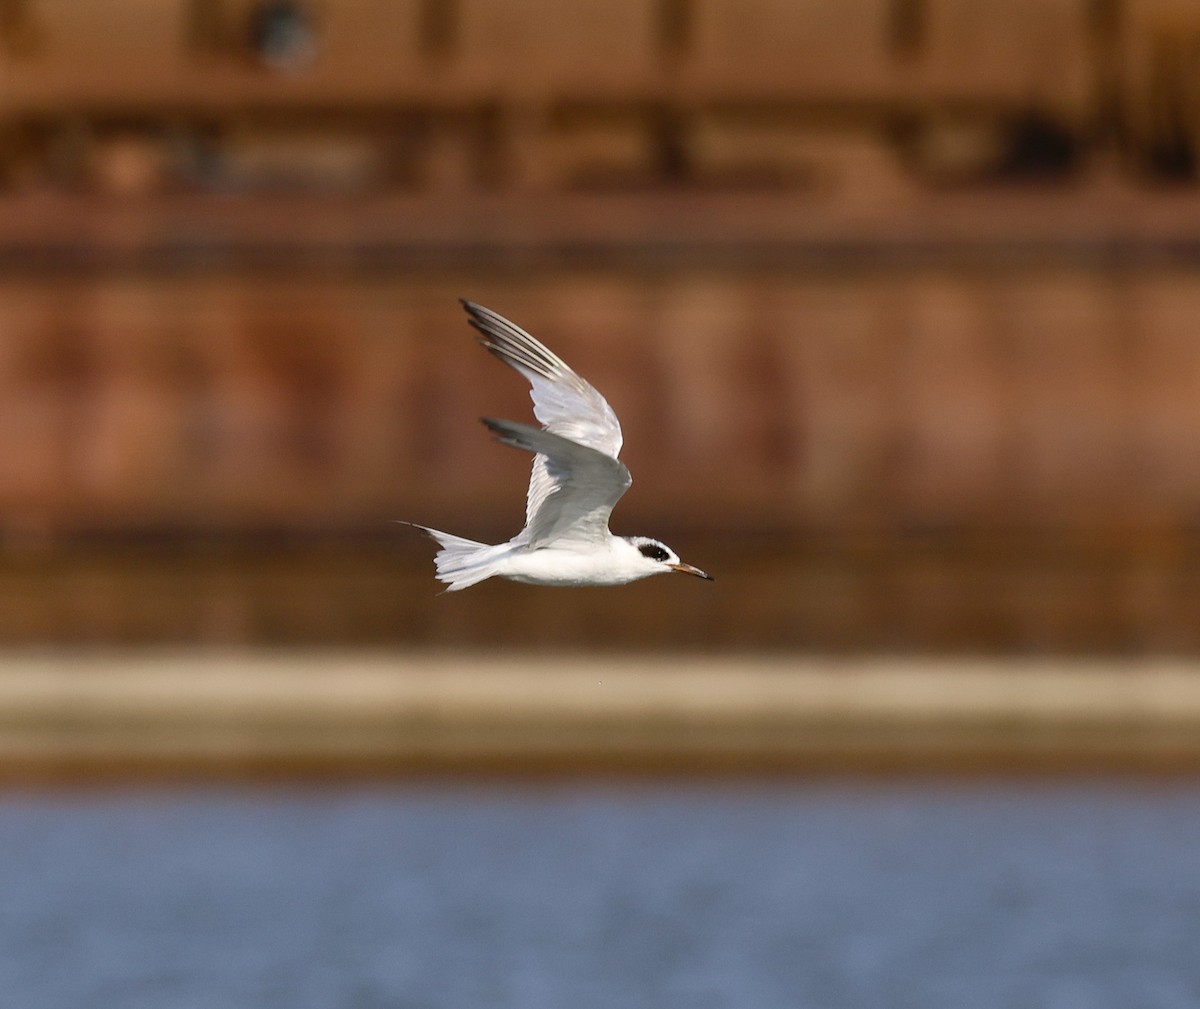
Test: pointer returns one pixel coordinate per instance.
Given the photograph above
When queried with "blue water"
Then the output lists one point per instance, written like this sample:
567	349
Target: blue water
900	894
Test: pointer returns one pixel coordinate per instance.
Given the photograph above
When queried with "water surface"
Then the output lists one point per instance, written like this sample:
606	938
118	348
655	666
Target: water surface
810	895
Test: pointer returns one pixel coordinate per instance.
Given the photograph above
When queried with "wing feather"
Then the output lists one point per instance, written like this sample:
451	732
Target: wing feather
564	404
562	401
582	485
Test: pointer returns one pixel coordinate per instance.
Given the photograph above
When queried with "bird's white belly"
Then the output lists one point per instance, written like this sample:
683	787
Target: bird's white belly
549	566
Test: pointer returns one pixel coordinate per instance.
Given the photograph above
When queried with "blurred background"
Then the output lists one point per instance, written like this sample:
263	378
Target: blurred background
895	300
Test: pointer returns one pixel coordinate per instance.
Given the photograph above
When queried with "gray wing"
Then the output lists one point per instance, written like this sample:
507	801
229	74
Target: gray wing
584	484
563	402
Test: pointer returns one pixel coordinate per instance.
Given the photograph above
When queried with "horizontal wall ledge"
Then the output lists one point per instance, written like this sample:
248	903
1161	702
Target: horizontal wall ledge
1096	227
89	716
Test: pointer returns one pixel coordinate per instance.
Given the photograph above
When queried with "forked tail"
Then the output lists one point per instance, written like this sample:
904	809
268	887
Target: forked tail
462	562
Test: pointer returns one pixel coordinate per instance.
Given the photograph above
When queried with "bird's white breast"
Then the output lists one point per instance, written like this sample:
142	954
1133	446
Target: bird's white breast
565	566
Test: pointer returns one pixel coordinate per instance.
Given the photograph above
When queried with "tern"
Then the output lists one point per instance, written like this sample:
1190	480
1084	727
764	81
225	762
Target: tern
576	481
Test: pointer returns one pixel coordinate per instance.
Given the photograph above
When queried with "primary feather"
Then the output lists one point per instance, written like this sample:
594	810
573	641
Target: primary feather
563	402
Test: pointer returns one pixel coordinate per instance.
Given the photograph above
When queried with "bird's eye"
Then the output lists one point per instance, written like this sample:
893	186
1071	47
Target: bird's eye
653	551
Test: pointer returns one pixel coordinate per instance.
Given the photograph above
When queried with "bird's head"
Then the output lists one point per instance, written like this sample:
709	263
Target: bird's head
656	558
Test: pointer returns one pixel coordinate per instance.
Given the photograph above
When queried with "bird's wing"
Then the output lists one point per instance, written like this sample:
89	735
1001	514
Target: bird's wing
563	402
583	485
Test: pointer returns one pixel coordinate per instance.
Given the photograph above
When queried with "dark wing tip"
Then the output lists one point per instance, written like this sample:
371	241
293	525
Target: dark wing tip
502	429
522	436
477	318
476	313
507	433
475	310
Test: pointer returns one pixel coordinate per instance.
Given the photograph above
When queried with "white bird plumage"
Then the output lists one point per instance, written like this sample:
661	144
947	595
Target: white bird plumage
576	480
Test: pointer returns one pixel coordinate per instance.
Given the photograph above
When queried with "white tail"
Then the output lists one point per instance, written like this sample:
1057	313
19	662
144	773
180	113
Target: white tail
462	562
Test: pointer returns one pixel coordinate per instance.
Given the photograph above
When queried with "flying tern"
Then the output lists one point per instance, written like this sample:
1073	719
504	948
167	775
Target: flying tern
576	480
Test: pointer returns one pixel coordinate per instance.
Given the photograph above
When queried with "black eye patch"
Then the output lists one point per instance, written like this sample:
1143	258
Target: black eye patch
653	551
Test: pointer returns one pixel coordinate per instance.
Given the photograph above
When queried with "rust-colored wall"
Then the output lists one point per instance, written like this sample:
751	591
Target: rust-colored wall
142	95
873	401
896	300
